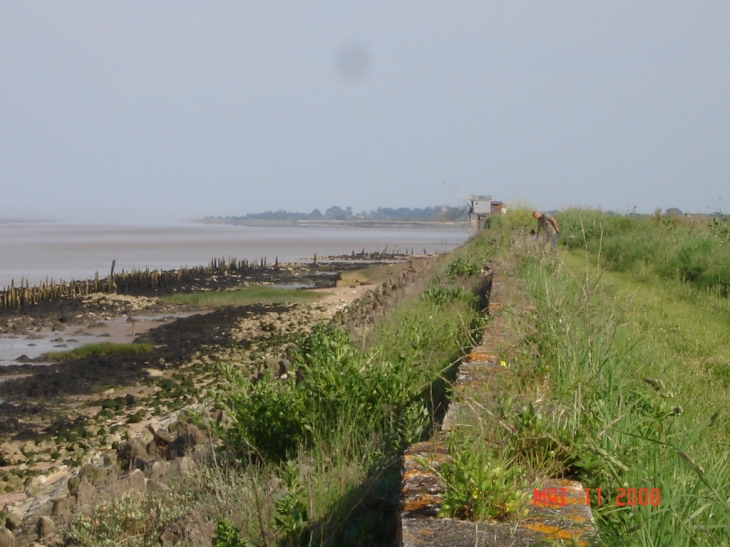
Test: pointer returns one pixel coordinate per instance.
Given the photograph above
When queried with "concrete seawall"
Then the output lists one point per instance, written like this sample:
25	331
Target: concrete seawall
555	509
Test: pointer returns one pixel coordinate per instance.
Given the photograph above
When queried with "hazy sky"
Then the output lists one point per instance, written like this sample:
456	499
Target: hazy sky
134	110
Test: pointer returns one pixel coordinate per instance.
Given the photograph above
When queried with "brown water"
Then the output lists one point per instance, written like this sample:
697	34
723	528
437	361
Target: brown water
37	251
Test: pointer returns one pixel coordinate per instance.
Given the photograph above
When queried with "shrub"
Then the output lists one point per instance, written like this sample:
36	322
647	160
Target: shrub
130	520
479	485
336	384
461	267
227	535
442	296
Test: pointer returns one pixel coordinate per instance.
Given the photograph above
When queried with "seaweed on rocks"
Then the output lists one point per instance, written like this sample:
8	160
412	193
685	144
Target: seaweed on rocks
174	344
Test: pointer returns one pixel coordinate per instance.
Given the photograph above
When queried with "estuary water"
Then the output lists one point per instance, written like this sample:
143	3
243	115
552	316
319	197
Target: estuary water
36	251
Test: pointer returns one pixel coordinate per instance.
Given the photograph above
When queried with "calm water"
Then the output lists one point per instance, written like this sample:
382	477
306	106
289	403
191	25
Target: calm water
73	251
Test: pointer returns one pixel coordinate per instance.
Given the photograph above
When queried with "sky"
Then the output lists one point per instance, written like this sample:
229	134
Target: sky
139	111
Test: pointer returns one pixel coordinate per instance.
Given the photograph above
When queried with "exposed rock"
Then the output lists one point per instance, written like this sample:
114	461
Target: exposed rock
132	455
157	485
7	539
62	507
88	494
73	484
159	470
171	535
140	464
221	418
45	527
144	436
152	451
173	344
134	482
159	474
110	439
95	475
161	435
85	493
13	521
203	454
44	445
10	454
157	447
190	529
271	363
184	465
188	438
34	485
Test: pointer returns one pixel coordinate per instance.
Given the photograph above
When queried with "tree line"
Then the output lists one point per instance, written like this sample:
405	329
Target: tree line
438	213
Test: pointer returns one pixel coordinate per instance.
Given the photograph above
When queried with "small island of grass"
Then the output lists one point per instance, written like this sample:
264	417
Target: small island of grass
255	294
104	348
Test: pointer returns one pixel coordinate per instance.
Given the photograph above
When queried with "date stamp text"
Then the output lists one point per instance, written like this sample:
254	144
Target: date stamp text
621	497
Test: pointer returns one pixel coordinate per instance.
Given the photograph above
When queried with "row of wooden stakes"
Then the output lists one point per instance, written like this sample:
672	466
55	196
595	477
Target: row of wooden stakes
13	297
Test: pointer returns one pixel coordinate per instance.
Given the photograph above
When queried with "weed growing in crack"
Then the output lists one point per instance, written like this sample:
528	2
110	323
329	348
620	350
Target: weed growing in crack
481	485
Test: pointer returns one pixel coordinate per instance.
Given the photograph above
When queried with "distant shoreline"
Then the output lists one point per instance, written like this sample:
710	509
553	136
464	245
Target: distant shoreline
25	221
354	223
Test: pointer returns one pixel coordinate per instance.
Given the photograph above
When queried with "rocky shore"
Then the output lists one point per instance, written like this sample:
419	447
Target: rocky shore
84	430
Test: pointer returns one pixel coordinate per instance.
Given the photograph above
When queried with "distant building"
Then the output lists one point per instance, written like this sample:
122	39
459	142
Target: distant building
498	208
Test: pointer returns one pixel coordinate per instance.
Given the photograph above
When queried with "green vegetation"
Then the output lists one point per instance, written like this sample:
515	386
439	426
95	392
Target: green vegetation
335	427
481	484
255	294
129	520
440	296
227	535
693	250
104	348
437	213
313	458
619	375
462	267
337	387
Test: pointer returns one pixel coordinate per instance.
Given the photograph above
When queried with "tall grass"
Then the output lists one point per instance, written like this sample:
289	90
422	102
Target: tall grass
692	250
624	377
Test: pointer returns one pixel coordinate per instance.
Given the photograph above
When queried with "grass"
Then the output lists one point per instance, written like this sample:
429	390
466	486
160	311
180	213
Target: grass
255	294
314	459
129	519
104	348
620	376
341	420
692	250
635	369
370	275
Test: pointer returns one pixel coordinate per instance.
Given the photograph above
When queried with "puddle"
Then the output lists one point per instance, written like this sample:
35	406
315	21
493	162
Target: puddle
117	330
